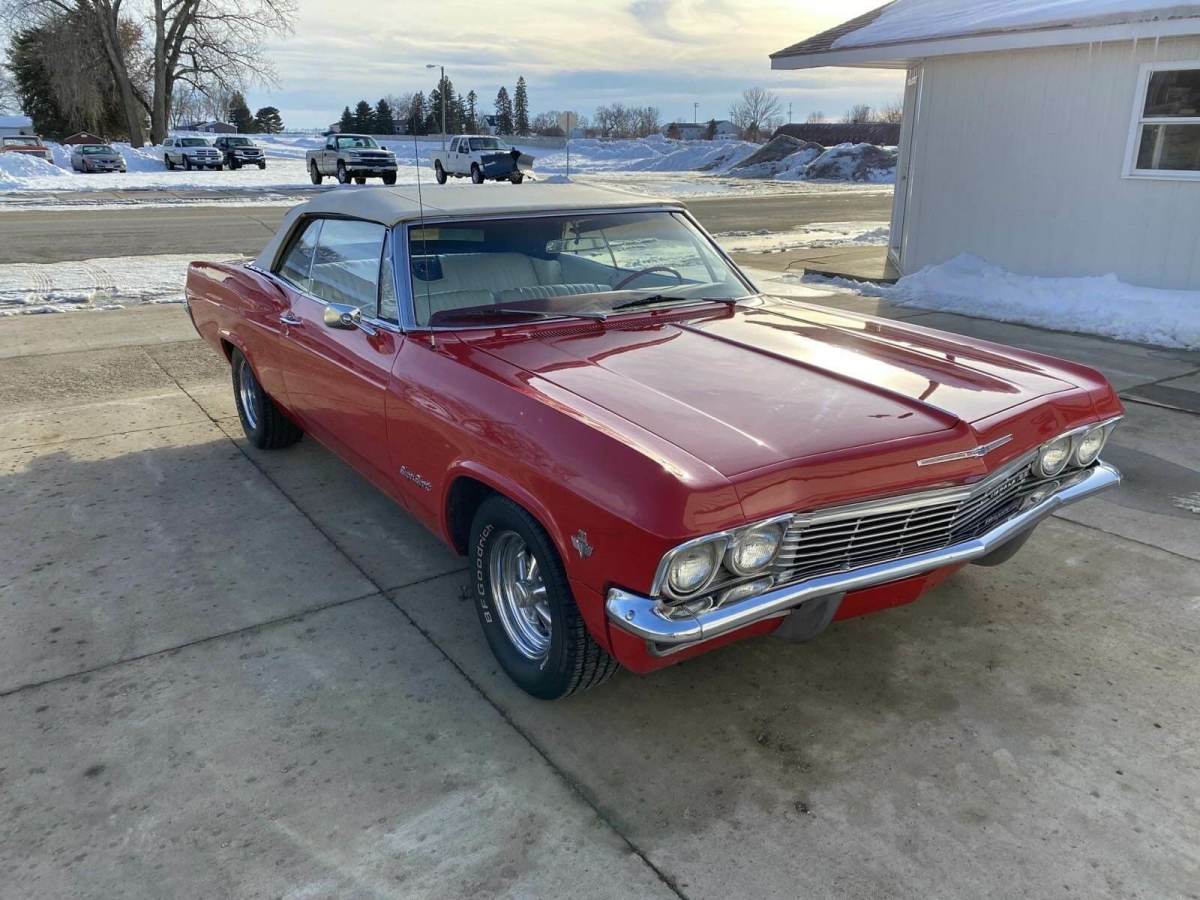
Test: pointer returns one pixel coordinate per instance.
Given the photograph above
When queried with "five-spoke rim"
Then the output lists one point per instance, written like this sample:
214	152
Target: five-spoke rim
248	390
519	595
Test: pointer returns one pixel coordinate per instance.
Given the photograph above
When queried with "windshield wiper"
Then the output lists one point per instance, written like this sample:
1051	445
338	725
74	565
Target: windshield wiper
598	316
652	299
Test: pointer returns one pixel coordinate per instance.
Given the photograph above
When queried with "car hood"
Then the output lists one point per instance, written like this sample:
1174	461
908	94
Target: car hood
751	387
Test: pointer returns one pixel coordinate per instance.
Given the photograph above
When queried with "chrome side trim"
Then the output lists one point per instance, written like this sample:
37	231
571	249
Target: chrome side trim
642	616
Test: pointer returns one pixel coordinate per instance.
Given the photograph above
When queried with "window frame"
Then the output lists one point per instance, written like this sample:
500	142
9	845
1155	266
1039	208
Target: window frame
389	246
1138	120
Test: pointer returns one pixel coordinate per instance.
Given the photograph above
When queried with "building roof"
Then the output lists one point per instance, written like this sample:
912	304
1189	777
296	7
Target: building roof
394	205
895	34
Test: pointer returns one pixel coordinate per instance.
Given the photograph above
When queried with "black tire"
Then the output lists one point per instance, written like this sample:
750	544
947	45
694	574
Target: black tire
438	172
262	164
234	164
167	161
187	163
389	177
517	177
476	173
360	179
343	176
573	661
265	425
314	173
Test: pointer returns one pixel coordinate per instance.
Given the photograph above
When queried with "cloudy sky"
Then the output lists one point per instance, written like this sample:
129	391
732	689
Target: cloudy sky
664	53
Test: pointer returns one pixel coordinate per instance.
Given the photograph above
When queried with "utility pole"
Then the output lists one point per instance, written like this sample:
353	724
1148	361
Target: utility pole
695	113
442	91
789	112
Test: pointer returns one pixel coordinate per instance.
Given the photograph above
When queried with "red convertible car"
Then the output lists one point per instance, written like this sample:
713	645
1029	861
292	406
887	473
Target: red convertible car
642	456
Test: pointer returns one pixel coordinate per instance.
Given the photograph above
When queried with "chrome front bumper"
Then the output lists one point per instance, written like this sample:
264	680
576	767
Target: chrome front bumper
645	618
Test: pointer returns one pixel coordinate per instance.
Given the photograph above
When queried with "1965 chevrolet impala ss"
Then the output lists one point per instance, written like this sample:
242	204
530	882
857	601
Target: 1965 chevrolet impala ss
643	457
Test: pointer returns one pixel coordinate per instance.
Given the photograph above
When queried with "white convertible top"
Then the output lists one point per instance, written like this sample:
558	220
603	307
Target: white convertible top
393	205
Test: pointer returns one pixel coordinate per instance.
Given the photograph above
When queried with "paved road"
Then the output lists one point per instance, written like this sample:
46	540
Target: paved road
58	235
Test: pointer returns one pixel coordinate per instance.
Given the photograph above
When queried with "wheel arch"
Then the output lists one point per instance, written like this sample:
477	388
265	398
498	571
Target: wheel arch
469	485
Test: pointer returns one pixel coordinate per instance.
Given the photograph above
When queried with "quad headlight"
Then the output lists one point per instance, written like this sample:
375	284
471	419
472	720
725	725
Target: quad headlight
1079	448
1054	456
720	559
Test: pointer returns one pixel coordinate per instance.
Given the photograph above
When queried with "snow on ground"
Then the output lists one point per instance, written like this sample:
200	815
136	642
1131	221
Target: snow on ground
655	165
917	19
1101	305
92	284
818	234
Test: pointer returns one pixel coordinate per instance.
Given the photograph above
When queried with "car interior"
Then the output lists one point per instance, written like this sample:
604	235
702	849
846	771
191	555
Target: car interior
465	266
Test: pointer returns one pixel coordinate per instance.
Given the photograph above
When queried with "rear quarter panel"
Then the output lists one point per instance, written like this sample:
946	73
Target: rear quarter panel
234	306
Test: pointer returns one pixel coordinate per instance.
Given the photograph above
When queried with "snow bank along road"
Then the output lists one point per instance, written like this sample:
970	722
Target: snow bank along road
33	236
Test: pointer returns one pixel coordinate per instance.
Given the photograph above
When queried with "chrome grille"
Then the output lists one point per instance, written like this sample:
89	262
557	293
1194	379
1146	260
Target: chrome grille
853	537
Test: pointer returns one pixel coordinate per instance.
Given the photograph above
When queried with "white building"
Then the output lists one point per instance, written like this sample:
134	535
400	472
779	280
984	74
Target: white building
16	126
1048	138
698	131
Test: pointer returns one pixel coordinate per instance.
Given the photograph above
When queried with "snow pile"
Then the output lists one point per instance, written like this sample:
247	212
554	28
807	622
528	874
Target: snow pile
16	169
93	283
780	156
650	154
919	19
818	234
1100	305
854	162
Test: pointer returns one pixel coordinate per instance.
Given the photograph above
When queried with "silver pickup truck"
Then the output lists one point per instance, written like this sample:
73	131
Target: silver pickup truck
482	158
347	156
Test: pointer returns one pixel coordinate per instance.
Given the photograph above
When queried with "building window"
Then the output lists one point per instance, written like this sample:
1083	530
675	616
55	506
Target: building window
1164	141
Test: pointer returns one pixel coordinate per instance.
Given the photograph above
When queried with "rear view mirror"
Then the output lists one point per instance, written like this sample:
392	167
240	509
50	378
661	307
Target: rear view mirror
575	245
341	315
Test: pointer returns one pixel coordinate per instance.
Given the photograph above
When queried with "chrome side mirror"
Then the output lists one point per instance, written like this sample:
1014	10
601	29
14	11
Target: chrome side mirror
341	315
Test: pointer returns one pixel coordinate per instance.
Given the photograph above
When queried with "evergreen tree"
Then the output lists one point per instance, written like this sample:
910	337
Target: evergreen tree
268	120
385	122
29	67
239	113
346	123
364	118
471	120
416	114
521	108
504	112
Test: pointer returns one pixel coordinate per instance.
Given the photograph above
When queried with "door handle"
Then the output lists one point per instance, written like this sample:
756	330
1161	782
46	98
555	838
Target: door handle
291	320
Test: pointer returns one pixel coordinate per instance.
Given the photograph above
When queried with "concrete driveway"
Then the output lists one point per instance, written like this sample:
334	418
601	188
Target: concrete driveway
230	673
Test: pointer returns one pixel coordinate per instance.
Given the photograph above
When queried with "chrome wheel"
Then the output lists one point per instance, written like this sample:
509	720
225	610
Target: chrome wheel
248	392
519	595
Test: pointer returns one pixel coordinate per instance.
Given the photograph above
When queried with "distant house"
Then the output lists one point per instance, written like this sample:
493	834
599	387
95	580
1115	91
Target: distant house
209	127
698	131
16	126
84	137
1049	139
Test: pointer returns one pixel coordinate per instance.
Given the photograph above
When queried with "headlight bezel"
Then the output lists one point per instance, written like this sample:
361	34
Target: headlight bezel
720	542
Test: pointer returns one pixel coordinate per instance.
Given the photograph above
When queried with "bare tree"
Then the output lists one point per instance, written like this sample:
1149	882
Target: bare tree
645	121
205	44
858	114
815	118
8	93
891	112
755	111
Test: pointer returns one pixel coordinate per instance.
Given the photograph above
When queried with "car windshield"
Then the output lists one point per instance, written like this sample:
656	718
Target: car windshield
193	142
20	142
97	149
356	141
487	144
237	142
506	271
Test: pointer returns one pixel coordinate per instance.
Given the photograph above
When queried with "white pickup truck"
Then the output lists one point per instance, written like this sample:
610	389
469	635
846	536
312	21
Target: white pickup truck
483	159
347	156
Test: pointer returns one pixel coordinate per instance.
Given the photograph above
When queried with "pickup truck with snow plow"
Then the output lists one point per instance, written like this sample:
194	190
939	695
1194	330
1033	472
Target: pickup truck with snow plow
482	159
347	156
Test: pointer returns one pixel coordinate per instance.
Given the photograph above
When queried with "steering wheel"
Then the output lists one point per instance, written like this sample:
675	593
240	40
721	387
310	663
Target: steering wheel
640	272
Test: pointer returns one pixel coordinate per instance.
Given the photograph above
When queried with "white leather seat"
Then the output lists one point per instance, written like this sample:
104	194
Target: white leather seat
546	291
